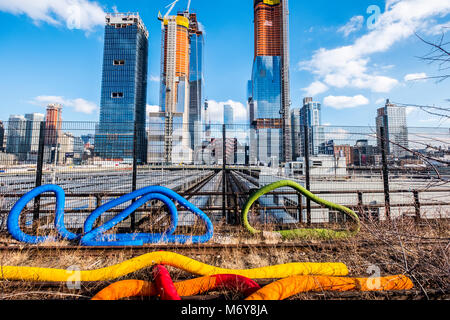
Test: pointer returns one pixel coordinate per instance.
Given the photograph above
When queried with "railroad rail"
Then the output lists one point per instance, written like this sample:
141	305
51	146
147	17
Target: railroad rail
207	249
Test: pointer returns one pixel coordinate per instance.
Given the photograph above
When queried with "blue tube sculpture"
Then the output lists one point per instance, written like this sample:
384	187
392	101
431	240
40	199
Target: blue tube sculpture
96	237
14	216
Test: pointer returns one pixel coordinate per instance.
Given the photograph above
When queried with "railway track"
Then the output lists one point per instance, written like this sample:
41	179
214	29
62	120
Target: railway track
208	249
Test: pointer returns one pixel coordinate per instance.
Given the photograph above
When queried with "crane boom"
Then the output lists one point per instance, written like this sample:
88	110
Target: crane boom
172	5
188	6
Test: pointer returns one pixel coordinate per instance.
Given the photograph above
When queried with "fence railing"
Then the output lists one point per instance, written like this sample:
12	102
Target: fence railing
380	172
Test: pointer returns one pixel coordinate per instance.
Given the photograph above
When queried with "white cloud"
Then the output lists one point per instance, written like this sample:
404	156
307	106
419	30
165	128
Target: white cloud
79	105
343	102
337	134
438	29
349	66
74	14
410	110
416	77
216	111
355	24
315	88
153	78
380	101
152	108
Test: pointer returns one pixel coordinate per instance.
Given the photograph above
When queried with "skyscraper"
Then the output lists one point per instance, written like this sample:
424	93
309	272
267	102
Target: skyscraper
124	89
15	144
311	119
269	94
228	115
53	124
32	131
174	95
2	137
393	119
181	95
196	81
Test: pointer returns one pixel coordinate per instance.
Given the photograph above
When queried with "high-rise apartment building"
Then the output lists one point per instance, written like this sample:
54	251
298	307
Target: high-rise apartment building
269	93
393	119
124	89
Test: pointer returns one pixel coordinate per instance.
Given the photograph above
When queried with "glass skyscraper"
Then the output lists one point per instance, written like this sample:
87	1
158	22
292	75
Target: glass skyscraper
124	89
311	118
16	141
196	81
228	116
268	91
393	119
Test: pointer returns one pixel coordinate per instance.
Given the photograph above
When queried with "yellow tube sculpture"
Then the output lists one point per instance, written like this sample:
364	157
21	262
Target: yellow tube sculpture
285	288
169	259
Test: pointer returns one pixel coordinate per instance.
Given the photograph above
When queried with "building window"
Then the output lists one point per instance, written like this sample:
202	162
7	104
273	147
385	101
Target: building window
117	95
317	163
119	62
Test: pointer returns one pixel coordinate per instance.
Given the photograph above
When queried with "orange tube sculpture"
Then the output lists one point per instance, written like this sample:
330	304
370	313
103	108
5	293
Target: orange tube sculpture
137	288
283	289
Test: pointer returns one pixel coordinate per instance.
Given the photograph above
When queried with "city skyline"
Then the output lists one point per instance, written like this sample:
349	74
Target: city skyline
338	101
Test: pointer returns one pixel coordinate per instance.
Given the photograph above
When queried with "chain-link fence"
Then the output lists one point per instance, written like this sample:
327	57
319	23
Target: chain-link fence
382	173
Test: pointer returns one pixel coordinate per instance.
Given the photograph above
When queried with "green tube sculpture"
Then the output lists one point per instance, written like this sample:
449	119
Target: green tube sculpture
325	234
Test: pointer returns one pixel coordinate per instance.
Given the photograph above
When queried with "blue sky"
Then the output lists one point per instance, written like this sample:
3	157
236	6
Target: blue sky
52	51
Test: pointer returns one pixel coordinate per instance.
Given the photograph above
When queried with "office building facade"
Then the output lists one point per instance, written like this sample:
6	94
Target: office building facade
124	89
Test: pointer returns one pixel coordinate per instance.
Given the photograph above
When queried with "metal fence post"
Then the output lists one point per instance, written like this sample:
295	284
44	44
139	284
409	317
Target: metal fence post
134	176
417	205
300	208
39	169
361	206
387	200
307	173
224	173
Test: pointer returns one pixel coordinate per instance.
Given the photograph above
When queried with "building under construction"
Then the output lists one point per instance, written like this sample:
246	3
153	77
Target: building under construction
178	123
269	90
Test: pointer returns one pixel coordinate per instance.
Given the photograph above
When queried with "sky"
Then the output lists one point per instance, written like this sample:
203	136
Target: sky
349	55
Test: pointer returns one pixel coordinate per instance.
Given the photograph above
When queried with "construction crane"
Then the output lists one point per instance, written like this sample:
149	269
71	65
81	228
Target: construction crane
172	5
188	6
